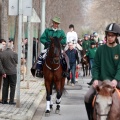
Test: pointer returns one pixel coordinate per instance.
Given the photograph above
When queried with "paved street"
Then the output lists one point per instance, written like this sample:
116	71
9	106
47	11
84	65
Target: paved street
29	101
72	105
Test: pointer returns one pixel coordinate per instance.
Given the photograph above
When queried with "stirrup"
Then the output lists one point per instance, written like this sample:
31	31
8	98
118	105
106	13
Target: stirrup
39	74
65	74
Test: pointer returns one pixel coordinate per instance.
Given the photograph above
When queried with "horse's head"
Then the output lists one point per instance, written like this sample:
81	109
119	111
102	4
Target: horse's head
103	101
55	49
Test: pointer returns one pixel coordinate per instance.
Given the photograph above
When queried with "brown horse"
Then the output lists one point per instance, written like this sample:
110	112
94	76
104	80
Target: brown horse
107	103
85	63
52	71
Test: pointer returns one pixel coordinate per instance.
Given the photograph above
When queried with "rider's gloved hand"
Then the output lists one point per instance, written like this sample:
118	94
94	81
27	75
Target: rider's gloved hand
114	83
95	83
47	44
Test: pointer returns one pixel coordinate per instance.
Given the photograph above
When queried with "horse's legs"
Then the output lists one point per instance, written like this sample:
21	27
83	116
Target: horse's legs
58	100
83	70
59	89
86	69
51	102
48	98
58	97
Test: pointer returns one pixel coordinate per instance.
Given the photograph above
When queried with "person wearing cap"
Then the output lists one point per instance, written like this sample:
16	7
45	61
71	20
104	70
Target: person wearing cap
106	65
92	39
86	43
53	31
91	54
96	37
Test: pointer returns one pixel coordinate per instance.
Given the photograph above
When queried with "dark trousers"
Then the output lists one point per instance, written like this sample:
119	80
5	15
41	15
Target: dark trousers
73	69
9	81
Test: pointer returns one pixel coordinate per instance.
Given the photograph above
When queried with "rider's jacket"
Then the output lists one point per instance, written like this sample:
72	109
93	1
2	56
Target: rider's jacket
107	63
91	53
50	32
86	45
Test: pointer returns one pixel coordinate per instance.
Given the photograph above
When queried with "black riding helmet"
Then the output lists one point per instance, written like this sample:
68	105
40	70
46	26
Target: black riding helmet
114	28
71	26
92	43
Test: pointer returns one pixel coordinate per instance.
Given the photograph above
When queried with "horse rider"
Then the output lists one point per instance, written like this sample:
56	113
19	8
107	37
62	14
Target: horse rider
106	65
92	40
71	36
53	31
86	43
96	37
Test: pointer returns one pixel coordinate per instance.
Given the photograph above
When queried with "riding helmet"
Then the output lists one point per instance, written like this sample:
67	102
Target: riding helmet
95	33
92	43
114	28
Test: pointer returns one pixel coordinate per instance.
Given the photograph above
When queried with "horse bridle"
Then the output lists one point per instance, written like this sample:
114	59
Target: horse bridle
97	112
54	62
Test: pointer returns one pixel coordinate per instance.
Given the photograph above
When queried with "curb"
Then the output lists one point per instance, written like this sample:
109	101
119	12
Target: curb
31	110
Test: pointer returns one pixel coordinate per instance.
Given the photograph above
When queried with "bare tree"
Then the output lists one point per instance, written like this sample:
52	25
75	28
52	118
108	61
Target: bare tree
4	20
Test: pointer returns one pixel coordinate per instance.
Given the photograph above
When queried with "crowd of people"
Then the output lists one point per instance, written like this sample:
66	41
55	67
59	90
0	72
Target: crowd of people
95	49
72	48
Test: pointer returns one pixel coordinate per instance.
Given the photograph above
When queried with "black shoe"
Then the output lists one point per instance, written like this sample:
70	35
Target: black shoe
89	83
12	103
4	102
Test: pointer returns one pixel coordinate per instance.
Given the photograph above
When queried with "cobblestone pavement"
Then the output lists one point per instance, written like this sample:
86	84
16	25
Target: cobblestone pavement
29	101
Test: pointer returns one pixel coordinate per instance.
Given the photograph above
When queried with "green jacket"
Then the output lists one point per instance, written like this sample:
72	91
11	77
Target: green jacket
86	45
92	41
107	63
91	52
49	32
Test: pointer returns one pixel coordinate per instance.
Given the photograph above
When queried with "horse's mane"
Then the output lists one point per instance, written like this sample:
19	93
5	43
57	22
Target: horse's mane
56	42
105	89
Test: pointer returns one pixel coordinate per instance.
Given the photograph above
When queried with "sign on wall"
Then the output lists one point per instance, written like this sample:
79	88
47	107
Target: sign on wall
14	7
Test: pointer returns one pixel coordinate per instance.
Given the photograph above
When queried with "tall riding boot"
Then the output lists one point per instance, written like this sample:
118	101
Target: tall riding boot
89	110
39	66
91	82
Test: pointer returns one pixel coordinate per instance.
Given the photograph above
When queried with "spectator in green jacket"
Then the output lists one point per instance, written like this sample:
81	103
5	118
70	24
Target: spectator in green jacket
86	43
106	64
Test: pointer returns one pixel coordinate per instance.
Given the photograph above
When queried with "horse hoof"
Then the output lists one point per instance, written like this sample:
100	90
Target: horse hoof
47	113
57	111
51	107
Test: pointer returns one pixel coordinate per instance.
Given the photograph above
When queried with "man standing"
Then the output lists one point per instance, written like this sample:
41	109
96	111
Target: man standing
9	61
73	57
